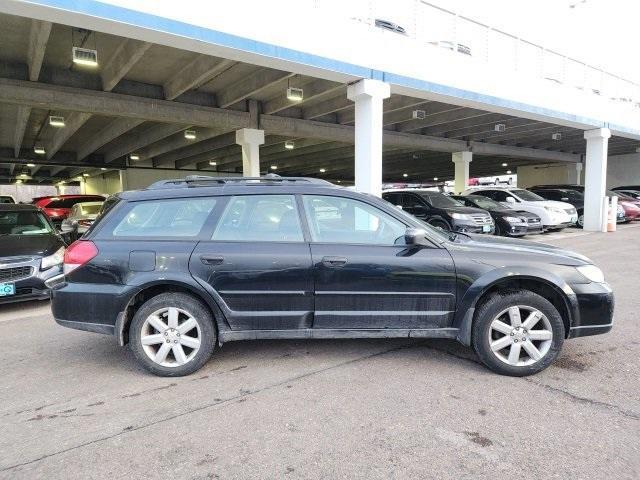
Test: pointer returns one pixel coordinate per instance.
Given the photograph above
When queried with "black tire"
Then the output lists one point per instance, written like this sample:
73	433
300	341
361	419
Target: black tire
497	303
188	303
442	224
498	230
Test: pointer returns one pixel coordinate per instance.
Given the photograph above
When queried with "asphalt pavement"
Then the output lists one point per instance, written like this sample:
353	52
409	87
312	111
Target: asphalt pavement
75	405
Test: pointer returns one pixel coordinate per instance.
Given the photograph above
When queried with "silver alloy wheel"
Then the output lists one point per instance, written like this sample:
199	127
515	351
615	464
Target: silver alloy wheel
519	342
581	221
171	337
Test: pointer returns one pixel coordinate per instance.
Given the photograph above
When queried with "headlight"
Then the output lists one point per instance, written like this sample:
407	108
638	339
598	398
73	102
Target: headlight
554	209
52	260
461	216
513	220
592	273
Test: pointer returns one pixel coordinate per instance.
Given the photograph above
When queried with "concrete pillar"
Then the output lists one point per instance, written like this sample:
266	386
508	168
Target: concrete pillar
575	174
250	140
368	95
461	161
595	177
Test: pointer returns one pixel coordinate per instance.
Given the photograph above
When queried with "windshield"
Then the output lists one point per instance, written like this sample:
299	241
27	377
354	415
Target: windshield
439	200
486	203
6	199
573	195
24	223
91	208
526	195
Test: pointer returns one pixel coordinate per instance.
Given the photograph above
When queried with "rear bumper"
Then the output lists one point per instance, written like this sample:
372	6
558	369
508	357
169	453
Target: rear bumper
596	304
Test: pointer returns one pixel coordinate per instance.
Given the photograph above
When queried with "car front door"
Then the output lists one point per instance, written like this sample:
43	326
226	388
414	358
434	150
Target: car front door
257	264
366	277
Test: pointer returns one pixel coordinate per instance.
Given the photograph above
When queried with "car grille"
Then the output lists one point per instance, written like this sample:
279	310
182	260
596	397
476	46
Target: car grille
15	273
570	211
481	219
532	220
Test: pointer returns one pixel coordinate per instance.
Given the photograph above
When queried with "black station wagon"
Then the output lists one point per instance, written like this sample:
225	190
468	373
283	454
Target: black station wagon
187	265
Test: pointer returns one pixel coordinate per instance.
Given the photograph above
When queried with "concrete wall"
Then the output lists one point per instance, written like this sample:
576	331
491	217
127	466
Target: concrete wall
621	170
104	184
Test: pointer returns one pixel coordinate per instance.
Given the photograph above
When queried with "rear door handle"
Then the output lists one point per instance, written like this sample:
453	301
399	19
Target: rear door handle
334	262
211	259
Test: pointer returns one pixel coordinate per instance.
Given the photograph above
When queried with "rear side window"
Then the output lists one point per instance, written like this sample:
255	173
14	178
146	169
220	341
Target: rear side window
70	202
260	218
183	217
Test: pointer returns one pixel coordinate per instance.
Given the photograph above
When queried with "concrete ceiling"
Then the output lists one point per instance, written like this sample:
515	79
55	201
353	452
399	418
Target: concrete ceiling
142	97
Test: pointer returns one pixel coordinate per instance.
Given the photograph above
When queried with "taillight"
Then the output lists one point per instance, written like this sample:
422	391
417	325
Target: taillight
78	253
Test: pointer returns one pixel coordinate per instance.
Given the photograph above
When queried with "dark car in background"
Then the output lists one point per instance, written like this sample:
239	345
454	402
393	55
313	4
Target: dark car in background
58	207
187	265
31	252
509	222
630	193
441	211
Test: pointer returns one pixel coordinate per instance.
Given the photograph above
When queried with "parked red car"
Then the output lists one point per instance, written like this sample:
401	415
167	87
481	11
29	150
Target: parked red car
57	208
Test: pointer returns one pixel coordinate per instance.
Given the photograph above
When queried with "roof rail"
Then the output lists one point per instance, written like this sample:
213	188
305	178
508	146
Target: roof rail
205	180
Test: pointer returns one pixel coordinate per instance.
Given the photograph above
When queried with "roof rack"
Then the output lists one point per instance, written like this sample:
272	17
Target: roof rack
208	181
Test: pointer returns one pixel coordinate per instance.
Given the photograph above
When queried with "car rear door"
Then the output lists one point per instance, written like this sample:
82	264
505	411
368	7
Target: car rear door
366	277
257	264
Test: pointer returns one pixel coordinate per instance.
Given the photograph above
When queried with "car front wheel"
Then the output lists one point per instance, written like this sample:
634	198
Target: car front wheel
172	334
517	333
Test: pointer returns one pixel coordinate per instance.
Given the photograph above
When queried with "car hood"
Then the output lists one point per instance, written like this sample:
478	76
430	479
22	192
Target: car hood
552	203
37	245
465	210
517	249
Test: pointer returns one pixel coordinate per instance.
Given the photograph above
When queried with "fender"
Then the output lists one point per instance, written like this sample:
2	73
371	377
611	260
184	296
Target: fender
463	319
182	281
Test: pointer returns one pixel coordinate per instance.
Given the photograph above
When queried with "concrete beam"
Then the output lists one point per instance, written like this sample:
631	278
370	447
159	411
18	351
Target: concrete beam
149	136
450	114
196	73
21	125
72	123
205	146
480	148
110	132
126	56
390	105
176	142
331	105
466	128
250	85
203	159
52	97
312	91
38	38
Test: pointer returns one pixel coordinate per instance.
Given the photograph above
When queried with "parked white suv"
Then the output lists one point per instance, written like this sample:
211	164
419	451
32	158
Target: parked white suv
554	215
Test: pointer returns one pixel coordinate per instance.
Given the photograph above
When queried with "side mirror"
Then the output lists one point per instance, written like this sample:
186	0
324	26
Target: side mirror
511	200
415	236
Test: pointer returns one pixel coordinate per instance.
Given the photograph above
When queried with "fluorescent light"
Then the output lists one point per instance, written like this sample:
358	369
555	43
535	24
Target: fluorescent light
31	165
85	56
556	136
499	127
322	170
102	168
295	94
274	167
85	174
405	175
190	134
289	144
435	179
39	150
55	121
508	172
134	156
212	163
504	164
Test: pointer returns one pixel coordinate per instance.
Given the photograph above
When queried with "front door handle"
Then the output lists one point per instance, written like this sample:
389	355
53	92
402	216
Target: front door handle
211	259
334	262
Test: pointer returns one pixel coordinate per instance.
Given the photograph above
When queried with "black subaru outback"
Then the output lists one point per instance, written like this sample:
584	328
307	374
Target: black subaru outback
186	265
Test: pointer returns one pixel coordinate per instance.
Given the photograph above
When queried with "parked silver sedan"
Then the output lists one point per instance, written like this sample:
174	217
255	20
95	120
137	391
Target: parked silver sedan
81	217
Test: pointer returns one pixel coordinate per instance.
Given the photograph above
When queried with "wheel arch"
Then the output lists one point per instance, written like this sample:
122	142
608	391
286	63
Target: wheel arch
546	284
155	288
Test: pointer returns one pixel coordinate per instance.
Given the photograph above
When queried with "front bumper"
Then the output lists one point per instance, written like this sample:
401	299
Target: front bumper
473	228
32	287
515	230
595	305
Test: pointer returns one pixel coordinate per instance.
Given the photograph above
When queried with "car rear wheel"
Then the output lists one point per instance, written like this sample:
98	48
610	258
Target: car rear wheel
581	221
172	334
517	333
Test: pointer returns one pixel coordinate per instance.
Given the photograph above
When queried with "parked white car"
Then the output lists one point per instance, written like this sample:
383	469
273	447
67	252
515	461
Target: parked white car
554	215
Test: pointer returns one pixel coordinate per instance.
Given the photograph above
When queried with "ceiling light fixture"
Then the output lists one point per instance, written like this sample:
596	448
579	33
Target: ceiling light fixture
405	175
500	127
289	144
418	114
508	172
435	179
322	170
39	150
85	56
85	174
212	163
134	156
103	169
190	134
504	164
274	167
56	121
295	94
31	165
556	136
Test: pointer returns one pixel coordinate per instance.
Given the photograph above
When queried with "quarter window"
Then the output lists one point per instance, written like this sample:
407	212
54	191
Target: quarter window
165	218
344	220
260	218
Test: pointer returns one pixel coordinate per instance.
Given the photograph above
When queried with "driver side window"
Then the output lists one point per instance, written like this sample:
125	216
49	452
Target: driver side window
344	220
